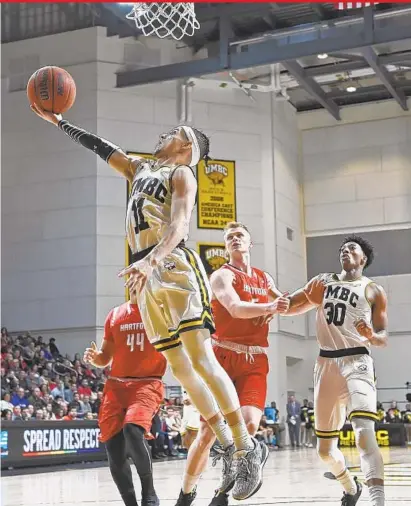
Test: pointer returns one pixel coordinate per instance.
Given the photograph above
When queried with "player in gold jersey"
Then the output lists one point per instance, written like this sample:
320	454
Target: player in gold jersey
171	285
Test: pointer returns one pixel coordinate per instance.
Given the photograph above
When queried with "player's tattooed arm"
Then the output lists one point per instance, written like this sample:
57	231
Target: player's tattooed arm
184	192
222	285
106	150
377	333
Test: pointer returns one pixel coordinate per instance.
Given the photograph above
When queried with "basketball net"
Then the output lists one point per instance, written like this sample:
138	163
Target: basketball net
165	19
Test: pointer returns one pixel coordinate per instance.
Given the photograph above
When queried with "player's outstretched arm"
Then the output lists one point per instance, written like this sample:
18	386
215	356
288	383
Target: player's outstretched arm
184	191
307	298
222	286
106	150
377	333
102	357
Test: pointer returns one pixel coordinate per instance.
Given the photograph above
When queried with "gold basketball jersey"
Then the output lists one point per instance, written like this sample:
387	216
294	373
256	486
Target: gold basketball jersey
149	205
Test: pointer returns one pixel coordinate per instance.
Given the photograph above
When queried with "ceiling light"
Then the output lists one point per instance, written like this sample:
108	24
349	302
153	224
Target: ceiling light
351	89
322	56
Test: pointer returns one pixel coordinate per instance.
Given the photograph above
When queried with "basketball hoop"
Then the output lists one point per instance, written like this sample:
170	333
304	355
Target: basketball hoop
165	19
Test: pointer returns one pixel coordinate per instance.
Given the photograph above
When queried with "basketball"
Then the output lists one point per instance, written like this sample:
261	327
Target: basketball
53	89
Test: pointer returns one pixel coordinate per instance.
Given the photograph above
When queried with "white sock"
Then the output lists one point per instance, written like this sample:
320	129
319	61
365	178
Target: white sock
223	432
241	437
347	481
377	495
189	482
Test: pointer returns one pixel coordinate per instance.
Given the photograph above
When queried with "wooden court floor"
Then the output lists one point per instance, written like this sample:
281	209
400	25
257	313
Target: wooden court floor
290	477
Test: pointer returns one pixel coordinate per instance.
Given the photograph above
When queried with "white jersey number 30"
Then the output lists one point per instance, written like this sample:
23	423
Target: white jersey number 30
135	340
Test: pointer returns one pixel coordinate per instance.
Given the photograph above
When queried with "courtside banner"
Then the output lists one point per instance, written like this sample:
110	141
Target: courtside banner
387	434
212	254
216	203
35	443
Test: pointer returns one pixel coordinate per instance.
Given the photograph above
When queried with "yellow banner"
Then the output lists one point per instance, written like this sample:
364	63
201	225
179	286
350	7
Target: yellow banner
213	255
216	194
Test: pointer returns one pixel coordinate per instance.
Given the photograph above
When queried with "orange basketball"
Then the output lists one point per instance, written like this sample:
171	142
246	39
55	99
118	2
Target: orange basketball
52	88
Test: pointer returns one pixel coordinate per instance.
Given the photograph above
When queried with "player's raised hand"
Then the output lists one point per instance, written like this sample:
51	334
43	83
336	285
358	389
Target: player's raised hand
46	115
90	353
137	273
364	328
314	291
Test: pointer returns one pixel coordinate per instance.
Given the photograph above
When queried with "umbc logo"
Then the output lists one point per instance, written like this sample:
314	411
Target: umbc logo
347	438
216	257
216	172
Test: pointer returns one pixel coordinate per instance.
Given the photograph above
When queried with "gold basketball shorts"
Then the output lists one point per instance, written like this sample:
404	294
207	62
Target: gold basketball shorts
343	386
176	299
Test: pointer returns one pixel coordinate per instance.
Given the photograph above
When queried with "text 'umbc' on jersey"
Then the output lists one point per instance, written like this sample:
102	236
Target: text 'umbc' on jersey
342	293
150	186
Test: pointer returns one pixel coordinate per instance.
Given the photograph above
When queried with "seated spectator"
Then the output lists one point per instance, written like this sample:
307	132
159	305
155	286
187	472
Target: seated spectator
381	412
88	416
37	399
395	409
272	412
265	432
53	348
5	402
86	405
406	418
393	416
72	415
6	415
20	399
25	415
97	402
84	389
17	413
58	391
76	404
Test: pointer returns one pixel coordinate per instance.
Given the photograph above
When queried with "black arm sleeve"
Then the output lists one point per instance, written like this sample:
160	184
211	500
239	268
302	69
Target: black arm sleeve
104	149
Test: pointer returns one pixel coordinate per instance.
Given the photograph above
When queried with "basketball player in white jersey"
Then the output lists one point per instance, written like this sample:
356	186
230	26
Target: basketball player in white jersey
170	281
351	317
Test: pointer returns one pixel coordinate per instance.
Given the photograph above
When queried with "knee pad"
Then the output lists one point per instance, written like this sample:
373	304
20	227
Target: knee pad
371	459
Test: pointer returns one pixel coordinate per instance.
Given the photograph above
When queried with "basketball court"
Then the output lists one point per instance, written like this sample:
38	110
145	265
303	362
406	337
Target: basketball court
291	477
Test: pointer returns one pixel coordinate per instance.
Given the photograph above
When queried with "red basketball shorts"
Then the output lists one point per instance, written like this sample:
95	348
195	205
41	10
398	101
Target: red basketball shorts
249	376
130	402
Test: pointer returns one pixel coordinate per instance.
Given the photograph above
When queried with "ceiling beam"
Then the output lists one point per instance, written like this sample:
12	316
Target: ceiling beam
312	87
382	73
291	45
335	68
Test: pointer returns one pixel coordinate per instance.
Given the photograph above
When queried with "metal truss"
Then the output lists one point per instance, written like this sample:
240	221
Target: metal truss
382	73
276	47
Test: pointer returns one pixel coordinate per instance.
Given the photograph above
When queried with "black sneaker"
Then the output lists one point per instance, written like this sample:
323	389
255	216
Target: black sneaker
220	499
351	500
150	500
186	499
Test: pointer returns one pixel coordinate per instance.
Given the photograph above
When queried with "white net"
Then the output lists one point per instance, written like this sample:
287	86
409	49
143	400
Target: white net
165	19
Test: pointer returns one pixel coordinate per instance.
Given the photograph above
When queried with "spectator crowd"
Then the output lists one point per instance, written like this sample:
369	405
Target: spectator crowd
38	383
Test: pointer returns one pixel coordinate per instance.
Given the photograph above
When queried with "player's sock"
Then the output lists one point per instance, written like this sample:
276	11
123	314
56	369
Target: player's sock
347	481
140	453
332	456
120	469
223	432
241	437
377	495
189	482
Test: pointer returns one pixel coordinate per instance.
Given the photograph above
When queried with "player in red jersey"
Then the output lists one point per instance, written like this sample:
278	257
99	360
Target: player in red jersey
244	300
132	396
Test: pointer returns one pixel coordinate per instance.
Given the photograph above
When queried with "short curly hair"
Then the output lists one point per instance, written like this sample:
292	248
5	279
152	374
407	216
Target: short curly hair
364	245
